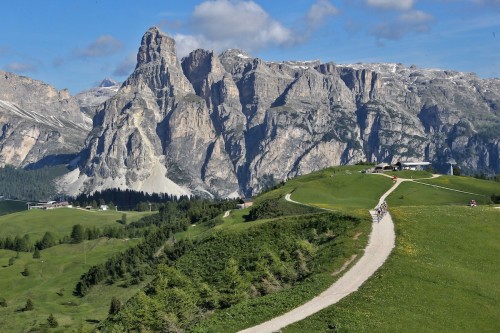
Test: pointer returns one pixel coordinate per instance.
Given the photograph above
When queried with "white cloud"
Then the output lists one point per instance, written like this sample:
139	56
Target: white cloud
415	16
19	67
188	43
408	22
391	4
222	24
102	46
319	12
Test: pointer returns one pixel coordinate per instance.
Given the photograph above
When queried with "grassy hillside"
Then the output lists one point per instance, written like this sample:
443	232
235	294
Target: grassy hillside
59	221
50	284
442	277
337	188
413	193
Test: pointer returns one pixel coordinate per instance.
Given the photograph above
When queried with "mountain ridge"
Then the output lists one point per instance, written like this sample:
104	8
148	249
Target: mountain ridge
233	124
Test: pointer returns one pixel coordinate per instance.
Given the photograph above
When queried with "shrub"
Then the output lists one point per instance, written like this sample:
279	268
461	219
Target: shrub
29	305
3	302
115	306
51	320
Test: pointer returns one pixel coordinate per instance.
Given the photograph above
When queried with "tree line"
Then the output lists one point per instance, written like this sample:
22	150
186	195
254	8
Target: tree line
29	185
136	261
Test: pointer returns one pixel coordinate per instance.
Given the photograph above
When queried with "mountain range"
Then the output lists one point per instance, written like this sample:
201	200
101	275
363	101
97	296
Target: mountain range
230	124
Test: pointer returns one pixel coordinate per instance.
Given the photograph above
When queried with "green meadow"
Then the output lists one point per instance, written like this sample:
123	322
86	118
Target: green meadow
441	277
59	221
51	282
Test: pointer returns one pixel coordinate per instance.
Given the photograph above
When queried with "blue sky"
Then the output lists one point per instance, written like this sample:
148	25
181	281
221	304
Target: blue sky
75	43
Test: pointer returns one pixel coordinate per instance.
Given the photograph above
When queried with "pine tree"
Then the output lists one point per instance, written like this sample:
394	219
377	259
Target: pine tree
77	234
51	320
29	305
115	306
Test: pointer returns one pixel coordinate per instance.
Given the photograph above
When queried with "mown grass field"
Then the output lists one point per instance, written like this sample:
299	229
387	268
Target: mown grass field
59	221
442	277
57	271
418	194
468	184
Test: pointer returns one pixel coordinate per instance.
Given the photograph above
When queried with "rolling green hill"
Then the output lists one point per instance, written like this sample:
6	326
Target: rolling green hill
59	221
51	282
226	274
442	277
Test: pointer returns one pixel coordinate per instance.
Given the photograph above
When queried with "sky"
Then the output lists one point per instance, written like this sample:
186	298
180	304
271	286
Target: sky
74	44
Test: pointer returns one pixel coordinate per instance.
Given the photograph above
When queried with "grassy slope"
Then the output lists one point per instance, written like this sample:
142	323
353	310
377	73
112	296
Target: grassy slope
59	221
59	268
442	277
322	190
468	184
430	282
343	192
411	193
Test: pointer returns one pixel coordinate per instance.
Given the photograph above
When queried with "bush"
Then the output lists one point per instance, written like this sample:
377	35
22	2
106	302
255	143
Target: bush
26	271
3	302
51	320
29	305
495	198
36	254
115	306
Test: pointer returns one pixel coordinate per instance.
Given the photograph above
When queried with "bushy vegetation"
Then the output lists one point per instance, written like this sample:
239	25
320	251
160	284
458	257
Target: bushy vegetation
226	268
276	207
136	262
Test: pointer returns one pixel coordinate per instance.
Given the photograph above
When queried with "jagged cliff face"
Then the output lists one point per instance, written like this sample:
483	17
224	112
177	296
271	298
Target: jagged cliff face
38	124
232	123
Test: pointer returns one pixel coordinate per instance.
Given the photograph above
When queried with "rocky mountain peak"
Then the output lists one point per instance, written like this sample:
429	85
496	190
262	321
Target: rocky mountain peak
156	45
107	82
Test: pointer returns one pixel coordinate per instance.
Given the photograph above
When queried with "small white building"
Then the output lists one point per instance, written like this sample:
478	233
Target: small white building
104	207
413	165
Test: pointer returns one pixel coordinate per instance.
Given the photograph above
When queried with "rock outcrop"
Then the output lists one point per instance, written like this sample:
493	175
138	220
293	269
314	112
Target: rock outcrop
233	123
39	124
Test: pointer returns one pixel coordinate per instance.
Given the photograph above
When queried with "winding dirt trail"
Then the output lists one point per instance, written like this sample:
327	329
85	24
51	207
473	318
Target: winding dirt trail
380	245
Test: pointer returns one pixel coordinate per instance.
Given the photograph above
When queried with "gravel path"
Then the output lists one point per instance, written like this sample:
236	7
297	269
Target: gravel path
380	245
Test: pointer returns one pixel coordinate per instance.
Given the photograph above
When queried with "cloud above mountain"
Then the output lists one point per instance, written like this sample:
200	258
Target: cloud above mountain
223	24
20	67
391	4
102	46
414	21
